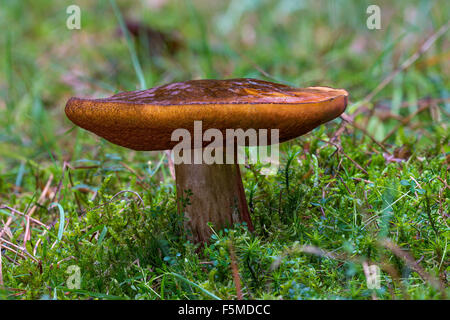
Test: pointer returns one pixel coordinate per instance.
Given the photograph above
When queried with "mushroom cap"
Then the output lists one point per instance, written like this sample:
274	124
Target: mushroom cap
145	119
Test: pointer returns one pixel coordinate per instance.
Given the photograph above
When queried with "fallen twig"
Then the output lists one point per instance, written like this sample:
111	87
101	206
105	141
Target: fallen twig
405	121
235	271
8	246
171	165
356	126
24	215
8	222
339	148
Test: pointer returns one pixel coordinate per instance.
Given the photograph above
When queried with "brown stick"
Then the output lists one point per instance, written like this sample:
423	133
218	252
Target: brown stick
339	148
8	222
27	235
171	165
356	126
235	271
24	215
413	264
405	121
408	62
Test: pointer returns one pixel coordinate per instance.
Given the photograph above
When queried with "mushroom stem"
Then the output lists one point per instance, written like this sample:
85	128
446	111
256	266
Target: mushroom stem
216	195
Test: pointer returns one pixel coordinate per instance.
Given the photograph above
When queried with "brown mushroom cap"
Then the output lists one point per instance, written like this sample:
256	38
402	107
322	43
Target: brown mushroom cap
145	119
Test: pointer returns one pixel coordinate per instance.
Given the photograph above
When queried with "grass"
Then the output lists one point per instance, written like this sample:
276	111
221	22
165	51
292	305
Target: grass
371	187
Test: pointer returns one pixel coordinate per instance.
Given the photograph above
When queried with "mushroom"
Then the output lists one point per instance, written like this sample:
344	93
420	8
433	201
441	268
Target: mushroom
146	120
